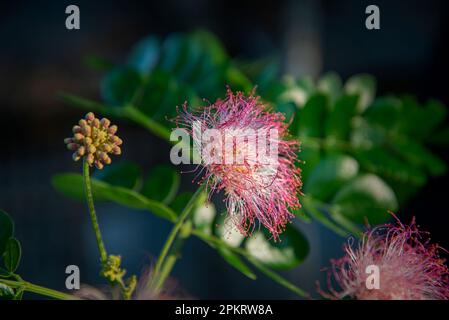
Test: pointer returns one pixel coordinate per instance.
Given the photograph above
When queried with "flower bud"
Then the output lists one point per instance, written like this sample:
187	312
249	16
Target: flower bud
90	116
94	139
78	137
105	123
72	146
99	165
112	129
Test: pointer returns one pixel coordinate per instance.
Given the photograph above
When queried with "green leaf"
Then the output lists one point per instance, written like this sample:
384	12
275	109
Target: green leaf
238	80
181	201
298	92
6	292
366	197
310	155
286	254
331	85
329	175
72	185
120	86
385	112
418	155
236	262
145	55
263	72
363	85
311	115
364	135
419	122
380	161
161	184
122	174
6	230
338	124
211	45
161	93
173	52
12	254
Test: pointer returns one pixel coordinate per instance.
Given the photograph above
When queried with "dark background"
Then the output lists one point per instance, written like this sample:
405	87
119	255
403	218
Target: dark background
39	57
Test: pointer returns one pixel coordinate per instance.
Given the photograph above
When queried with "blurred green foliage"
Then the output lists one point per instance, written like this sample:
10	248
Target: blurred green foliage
361	155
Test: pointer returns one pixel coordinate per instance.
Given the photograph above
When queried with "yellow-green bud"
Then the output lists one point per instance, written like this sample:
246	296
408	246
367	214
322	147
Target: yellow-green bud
95	140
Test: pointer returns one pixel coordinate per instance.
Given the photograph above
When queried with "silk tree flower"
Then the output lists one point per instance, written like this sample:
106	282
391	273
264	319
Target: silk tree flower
259	189
409	266
94	139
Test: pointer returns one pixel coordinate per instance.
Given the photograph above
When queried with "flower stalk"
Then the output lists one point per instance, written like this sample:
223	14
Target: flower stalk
93	214
94	140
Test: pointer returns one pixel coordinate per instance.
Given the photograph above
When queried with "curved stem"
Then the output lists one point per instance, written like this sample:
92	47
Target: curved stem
277	278
30	287
93	215
173	234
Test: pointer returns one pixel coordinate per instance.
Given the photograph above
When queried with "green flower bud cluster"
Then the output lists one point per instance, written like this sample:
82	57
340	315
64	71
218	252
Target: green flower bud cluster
94	139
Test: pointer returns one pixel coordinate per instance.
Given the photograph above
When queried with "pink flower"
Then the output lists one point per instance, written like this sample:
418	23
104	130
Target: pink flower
252	161
409	266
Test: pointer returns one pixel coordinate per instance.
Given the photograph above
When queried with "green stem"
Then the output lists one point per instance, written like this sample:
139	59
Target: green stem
26	286
93	215
170	262
156	128
173	234
277	278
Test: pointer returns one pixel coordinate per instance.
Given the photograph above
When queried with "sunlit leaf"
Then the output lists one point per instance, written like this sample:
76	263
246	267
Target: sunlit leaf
6	292
228	232
331	85
329	175
286	254
204	216
363	85
366	198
